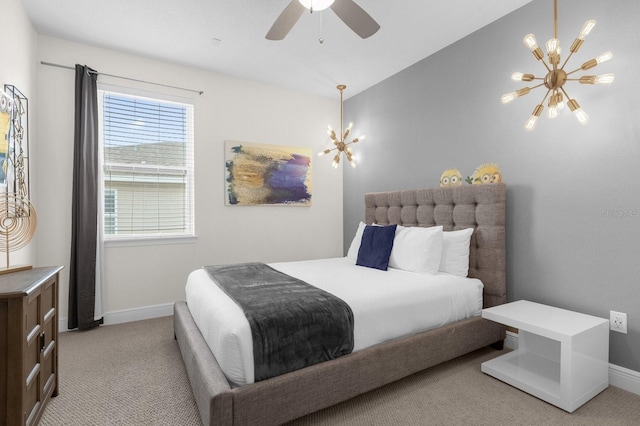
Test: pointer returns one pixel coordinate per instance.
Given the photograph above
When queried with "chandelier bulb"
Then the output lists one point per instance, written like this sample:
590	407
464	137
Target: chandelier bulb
508	97
530	125
336	161
531	122
552	112
530	41
597	79
586	28
598	60
556	104
553	46
582	116
518	76
604	57
605	78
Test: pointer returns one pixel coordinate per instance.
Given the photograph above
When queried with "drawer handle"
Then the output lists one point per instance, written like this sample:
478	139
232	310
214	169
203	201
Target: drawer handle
42	341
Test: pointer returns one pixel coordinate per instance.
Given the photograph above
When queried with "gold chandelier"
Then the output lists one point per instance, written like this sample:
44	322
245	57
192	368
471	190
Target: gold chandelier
340	145
556	75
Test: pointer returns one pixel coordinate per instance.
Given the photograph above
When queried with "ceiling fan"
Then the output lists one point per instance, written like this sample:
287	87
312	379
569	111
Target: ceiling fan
347	10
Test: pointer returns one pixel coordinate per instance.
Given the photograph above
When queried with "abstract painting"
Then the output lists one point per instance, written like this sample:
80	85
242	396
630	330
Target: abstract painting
259	174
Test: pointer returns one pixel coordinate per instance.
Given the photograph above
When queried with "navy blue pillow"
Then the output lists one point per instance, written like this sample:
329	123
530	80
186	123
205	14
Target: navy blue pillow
375	247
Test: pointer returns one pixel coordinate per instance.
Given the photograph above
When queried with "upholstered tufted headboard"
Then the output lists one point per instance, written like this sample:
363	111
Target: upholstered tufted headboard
481	207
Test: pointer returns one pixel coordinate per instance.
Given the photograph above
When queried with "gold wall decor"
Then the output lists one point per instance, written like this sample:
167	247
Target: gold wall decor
18	218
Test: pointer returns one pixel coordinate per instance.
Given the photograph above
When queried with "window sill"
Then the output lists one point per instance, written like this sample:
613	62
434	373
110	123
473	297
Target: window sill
149	241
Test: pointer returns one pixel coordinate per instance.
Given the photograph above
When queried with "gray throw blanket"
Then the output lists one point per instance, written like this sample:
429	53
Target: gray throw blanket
293	324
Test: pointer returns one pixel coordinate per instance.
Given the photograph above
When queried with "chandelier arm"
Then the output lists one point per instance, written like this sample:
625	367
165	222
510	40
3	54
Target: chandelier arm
535	87
545	96
566	60
545	65
565	93
574	71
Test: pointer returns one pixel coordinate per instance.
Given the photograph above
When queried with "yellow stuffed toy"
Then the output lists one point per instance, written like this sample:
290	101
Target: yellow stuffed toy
486	173
451	177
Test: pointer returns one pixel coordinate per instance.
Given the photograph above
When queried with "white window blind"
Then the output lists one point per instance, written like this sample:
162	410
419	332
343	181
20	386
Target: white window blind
147	166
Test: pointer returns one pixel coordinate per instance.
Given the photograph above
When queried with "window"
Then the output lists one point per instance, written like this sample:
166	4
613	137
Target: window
147	152
110	211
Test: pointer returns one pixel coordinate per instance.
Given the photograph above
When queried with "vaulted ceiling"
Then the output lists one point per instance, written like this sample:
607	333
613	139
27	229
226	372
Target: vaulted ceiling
228	36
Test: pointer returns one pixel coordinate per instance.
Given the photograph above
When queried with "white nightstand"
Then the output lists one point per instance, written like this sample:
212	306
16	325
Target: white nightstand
562	356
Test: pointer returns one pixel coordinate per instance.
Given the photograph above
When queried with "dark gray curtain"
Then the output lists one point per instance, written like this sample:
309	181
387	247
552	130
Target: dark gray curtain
84	216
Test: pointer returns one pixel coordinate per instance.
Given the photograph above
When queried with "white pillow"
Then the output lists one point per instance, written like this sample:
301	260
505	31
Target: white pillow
455	252
417	249
355	243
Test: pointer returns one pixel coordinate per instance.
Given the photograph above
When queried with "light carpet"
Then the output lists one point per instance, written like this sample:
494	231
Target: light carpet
132	374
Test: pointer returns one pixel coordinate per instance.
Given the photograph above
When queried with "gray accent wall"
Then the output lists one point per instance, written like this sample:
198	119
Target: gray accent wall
573	201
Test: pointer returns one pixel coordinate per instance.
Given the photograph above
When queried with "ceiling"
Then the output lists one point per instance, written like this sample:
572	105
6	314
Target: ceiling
228	36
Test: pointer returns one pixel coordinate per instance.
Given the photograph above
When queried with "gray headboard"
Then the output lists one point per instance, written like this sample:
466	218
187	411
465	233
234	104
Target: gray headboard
481	207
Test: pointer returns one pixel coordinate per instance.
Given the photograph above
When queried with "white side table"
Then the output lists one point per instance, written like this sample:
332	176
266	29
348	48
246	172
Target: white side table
562	356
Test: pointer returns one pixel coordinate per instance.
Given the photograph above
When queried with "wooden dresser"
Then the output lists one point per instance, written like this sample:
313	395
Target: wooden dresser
28	344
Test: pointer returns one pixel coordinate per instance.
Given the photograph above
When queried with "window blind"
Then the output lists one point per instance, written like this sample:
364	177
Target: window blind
147	147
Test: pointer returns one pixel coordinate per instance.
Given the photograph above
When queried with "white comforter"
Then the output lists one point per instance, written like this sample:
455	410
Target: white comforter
386	305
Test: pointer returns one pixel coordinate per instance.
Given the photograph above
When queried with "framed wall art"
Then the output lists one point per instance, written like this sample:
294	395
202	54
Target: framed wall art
261	174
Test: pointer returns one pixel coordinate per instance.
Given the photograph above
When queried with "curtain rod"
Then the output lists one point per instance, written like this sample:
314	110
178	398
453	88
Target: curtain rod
200	92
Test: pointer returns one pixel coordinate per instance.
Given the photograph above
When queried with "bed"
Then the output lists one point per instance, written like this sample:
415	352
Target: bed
292	395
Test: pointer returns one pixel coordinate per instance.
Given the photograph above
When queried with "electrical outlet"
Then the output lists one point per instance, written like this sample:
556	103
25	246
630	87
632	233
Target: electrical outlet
618	322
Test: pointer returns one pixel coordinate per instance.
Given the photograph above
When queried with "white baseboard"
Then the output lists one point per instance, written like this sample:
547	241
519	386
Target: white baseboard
129	315
624	378
619	377
511	341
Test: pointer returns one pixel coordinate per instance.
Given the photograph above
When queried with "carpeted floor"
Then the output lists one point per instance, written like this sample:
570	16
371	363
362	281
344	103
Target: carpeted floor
132	374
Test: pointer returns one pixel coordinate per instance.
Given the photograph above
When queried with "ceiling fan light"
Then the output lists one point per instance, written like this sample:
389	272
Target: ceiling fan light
316	4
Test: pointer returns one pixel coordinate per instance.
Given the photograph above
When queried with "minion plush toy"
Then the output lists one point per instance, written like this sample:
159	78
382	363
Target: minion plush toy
451	177
487	173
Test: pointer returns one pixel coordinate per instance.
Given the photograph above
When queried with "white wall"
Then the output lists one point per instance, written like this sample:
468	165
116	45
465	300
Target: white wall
229	109
17	68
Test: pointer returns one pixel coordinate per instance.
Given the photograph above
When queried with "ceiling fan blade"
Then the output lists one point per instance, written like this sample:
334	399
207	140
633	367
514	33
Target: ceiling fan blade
355	17
285	21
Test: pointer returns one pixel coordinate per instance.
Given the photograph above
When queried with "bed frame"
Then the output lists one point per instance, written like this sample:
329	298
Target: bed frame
292	395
